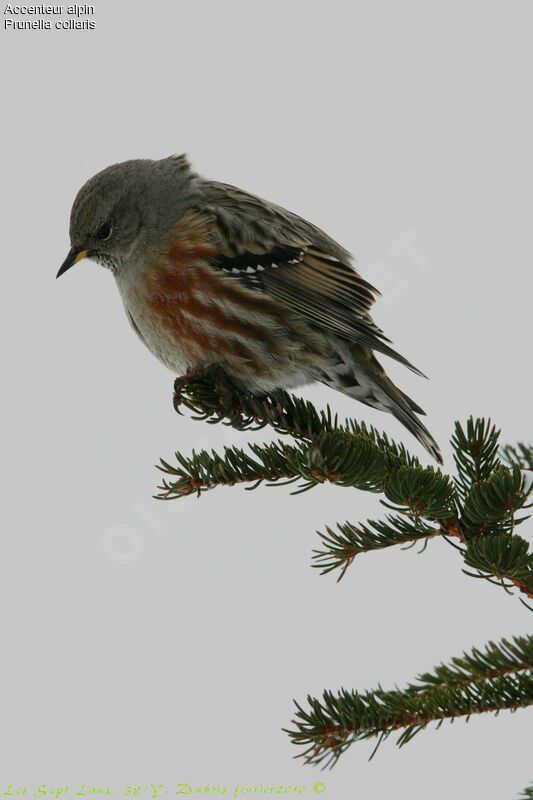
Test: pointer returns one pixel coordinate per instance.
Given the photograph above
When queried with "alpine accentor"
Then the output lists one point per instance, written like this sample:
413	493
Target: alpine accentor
213	276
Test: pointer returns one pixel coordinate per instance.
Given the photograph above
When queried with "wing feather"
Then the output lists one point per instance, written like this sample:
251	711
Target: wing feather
269	249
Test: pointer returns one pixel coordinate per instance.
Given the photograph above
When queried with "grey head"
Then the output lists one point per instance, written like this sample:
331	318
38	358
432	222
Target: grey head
127	209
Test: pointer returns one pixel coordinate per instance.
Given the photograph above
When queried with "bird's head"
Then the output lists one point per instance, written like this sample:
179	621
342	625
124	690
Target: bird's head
126	209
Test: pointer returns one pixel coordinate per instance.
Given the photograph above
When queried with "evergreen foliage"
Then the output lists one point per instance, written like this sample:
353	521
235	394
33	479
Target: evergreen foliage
477	510
498	678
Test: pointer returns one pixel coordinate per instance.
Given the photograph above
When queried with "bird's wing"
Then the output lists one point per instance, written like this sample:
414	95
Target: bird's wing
271	250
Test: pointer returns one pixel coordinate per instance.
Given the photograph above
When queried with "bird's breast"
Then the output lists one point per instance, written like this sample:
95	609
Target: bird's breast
205	315
190	314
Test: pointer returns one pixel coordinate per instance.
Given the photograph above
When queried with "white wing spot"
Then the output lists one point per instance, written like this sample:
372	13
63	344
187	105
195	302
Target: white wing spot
259	267
297	259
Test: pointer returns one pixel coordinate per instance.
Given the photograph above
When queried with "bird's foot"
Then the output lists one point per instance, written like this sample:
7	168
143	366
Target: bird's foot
217	376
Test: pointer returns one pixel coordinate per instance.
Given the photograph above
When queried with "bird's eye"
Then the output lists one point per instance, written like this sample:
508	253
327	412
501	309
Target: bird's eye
104	231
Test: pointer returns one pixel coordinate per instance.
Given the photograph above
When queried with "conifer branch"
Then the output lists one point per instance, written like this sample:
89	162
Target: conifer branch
342	546
285	413
506	559
498	678
520	454
475	453
501	658
482	500
477	511
345	459
348	454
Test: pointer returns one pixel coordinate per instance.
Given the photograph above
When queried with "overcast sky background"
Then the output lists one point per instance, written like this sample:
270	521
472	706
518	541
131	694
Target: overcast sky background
147	642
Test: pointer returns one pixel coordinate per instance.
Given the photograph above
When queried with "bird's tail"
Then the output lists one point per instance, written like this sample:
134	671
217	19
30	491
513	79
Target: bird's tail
362	377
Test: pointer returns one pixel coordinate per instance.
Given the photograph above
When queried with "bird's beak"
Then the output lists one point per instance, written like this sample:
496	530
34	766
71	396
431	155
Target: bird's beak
75	255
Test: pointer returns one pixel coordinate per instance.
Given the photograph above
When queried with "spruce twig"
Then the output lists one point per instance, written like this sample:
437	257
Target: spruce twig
498	678
481	500
477	510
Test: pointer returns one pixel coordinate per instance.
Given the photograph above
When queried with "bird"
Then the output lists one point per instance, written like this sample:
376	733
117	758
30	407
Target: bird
213	277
